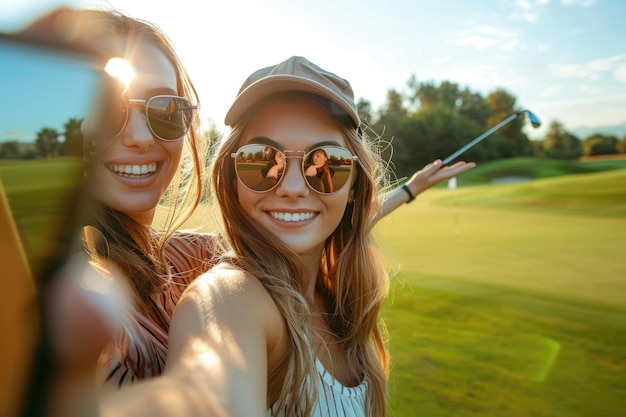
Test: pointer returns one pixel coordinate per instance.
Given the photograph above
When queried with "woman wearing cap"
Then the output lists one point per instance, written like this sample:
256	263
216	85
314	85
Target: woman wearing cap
288	323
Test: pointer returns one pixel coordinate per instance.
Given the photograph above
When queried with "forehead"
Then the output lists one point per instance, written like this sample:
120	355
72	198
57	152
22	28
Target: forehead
294	123
153	70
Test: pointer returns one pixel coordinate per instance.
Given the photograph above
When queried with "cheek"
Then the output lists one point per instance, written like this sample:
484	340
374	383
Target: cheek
174	149
247	199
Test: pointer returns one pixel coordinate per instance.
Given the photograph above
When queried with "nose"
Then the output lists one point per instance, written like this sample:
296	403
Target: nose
136	132
293	183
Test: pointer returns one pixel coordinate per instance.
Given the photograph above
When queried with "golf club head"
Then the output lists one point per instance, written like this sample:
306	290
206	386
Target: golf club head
534	120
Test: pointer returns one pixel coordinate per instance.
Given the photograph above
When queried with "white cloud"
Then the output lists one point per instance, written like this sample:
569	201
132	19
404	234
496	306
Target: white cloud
478	77
591	70
527	10
591	91
440	60
620	73
482	37
551	91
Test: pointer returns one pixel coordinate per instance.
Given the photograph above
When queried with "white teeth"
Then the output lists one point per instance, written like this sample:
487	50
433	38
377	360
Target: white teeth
133	170
292	217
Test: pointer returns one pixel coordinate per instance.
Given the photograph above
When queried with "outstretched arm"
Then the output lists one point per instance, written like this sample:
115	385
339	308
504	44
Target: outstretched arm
429	176
221	343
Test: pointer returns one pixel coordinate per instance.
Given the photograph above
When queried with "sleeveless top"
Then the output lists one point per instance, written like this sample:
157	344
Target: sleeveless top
140	349
335	399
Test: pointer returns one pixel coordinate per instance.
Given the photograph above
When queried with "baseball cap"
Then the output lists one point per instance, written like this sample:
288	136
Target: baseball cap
295	74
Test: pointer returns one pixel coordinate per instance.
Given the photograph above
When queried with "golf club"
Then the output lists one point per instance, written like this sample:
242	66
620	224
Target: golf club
534	120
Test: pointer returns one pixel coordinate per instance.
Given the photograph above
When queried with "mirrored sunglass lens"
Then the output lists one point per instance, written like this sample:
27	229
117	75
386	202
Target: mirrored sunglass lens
169	117
327	169
259	167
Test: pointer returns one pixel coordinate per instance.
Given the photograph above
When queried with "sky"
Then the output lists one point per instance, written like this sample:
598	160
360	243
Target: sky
564	60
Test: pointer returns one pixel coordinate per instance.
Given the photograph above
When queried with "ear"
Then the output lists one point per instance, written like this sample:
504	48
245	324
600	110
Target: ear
351	196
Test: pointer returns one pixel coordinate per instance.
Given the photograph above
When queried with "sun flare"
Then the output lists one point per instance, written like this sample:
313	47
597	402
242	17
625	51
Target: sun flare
121	69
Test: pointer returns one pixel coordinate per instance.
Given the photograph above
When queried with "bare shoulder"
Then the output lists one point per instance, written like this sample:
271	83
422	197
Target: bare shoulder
227	293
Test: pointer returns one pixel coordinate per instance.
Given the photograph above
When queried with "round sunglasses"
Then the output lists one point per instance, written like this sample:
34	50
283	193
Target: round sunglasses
168	117
326	169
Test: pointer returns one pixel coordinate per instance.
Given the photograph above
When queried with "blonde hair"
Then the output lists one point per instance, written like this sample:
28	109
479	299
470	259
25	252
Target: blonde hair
352	277
136	249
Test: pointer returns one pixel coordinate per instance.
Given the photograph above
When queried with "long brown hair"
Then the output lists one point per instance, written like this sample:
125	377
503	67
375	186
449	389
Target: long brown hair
136	249
352	277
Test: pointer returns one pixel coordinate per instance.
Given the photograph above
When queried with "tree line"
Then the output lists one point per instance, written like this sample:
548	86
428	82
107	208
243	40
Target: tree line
47	143
430	121
426	122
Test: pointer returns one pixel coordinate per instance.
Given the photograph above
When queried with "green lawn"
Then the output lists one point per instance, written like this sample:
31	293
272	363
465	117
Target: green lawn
39	192
504	308
507	300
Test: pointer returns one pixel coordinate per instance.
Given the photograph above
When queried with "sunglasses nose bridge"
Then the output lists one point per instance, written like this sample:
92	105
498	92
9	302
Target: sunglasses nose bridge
293	180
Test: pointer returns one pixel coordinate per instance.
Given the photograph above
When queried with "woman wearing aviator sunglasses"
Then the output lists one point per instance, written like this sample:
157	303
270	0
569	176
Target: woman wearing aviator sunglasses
144	149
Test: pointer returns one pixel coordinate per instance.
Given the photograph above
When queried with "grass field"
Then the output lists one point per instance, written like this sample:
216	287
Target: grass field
507	300
510	300
40	193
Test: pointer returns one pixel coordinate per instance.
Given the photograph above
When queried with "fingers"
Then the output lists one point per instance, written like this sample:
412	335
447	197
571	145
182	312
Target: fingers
458	168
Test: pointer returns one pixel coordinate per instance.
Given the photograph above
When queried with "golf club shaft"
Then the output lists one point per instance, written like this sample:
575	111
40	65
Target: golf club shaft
481	137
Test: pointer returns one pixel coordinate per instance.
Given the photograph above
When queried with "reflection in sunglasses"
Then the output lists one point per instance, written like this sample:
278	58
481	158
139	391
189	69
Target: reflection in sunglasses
326	169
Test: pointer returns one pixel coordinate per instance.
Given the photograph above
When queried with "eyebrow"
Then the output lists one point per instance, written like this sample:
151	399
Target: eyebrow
264	140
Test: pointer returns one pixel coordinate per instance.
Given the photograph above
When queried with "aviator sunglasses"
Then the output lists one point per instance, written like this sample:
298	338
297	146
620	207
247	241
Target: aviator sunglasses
168	117
326	168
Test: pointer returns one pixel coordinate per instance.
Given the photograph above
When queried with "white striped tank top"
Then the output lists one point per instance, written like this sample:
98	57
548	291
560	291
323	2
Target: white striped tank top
335	399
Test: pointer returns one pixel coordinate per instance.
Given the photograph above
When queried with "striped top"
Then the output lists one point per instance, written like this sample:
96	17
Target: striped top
140	349
335	399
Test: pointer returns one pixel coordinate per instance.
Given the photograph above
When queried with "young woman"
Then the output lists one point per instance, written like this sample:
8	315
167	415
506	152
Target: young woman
290	318
148	152
143	150
319	171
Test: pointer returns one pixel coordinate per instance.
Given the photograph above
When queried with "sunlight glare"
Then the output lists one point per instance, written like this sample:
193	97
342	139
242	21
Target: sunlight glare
121	69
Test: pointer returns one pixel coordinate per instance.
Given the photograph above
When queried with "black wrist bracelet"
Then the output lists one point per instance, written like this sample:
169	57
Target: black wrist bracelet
411	196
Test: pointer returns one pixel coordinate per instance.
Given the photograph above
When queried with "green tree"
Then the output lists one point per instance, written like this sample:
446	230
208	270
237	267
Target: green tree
10	150
73	144
427	95
560	144
599	144
47	142
474	107
365	111
391	115
621	145
513	141
434	133
449	95
388	126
